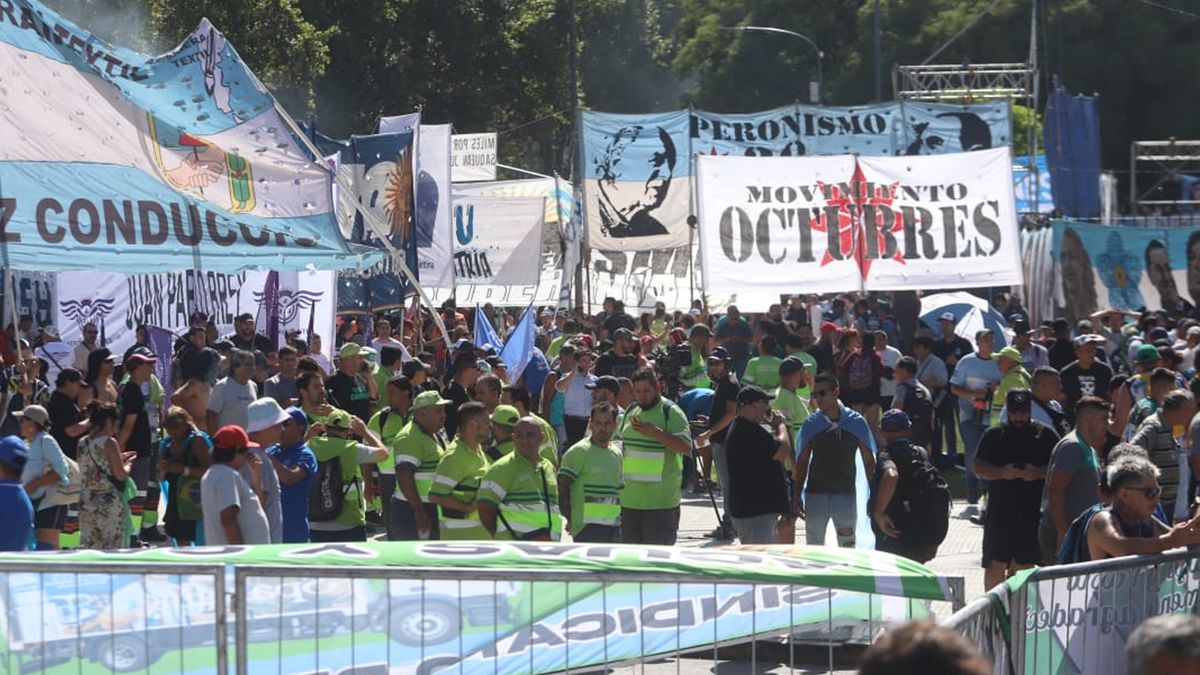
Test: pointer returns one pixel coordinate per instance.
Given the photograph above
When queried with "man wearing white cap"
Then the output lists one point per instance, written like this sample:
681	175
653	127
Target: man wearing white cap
264	424
54	352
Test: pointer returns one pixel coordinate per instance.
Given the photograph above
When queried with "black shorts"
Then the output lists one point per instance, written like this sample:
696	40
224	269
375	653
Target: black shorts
50	518
1011	537
853	397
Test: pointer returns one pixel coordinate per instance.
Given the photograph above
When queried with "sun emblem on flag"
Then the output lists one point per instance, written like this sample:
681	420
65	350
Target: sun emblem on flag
397	196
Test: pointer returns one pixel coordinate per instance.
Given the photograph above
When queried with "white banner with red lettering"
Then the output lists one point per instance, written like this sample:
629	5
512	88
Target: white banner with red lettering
780	225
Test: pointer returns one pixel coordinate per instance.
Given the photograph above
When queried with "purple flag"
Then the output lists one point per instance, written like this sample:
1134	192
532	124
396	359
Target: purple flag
269	304
161	341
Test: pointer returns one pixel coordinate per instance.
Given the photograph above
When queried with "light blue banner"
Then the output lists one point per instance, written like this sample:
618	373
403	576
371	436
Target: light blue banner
637	168
130	163
636	146
1099	266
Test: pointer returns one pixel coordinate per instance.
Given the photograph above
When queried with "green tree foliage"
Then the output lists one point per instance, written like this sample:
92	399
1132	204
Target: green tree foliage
285	50
505	64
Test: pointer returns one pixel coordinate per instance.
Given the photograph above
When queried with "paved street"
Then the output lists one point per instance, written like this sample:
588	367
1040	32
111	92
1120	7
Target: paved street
959	555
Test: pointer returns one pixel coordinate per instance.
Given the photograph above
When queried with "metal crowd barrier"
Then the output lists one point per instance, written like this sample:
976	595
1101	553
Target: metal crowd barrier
496	621
1076	618
200	618
128	617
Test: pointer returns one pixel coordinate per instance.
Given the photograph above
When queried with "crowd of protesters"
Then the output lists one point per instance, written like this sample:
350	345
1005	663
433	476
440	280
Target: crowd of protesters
1076	442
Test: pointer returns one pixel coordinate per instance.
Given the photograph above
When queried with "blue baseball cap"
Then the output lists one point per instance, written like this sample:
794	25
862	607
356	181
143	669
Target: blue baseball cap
13	452
895	420
298	416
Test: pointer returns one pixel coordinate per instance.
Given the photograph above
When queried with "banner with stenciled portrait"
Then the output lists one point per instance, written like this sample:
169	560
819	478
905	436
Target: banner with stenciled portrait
637	169
1101	266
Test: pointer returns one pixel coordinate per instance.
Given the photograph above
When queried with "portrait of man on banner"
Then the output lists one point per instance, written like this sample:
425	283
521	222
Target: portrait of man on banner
1078	281
630	213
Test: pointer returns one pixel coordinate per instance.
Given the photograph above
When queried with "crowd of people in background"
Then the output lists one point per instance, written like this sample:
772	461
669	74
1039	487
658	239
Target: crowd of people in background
1074	442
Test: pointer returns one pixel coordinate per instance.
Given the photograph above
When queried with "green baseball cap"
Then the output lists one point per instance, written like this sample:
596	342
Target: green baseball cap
338	419
506	415
1010	353
427	399
1147	354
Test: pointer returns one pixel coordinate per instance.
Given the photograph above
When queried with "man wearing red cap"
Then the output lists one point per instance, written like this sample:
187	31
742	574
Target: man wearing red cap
233	512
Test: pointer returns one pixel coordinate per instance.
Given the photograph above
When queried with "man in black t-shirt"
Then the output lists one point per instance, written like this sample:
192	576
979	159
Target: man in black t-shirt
245	337
134	436
67	422
1086	376
950	348
721	414
1013	458
1061	351
620	361
465	372
756	478
352	388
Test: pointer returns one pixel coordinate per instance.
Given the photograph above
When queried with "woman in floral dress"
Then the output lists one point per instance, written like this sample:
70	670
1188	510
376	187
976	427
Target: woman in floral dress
103	512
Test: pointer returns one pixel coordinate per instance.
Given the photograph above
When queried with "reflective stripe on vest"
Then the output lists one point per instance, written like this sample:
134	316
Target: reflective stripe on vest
601	510
643	467
525	518
459	523
424	481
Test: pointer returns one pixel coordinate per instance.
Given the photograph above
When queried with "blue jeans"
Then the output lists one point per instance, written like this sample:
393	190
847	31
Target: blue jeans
820	508
971	433
757	529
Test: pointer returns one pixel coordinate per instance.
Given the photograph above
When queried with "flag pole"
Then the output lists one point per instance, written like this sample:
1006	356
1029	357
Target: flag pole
370	220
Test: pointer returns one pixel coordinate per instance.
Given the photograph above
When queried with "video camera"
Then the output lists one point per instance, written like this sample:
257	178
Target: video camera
669	364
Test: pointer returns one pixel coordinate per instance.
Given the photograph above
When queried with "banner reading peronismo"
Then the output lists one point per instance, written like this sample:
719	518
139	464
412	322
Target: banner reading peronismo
637	168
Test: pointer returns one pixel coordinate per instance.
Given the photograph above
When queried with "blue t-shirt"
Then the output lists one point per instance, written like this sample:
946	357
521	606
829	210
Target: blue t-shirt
536	373
293	499
696	401
973	372
17	512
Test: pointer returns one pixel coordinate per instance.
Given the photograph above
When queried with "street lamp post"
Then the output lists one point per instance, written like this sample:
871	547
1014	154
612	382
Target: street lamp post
820	54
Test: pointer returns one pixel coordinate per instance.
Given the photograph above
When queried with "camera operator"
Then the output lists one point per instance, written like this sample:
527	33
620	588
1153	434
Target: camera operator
724	410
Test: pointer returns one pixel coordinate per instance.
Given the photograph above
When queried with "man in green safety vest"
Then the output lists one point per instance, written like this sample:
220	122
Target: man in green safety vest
335	446
590	482
387	424
418	451
695	375
456	480
654	436
518	498
763	370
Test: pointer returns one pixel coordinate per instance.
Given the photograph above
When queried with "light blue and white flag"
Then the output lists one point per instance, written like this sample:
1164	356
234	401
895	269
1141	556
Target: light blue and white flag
117	160
485	335
518	351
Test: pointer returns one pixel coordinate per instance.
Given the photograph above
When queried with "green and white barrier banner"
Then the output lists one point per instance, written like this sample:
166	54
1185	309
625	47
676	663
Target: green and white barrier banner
486	620
1079	624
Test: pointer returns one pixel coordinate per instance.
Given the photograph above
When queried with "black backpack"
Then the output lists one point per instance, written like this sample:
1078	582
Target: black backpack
327	494
920	508
920	411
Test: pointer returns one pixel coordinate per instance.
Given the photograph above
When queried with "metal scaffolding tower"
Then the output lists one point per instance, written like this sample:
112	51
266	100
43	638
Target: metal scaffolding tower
1166	161
968	83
